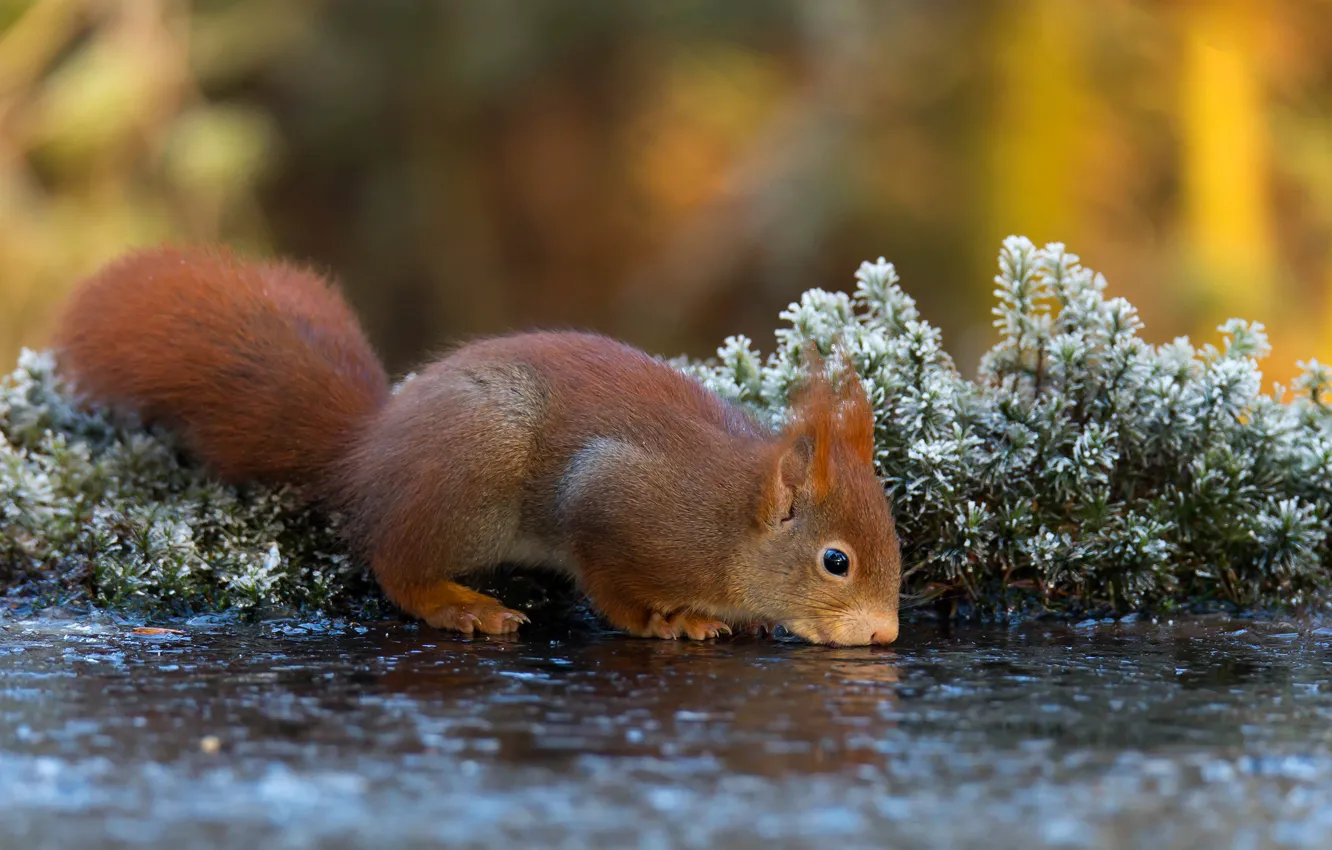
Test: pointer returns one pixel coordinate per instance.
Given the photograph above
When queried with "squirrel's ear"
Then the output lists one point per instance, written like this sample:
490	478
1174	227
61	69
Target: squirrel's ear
786	475
814	419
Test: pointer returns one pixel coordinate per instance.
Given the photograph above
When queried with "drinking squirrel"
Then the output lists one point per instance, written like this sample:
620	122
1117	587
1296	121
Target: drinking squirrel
676	511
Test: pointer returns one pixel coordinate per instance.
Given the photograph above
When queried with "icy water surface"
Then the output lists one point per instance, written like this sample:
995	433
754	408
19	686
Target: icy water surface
1201	734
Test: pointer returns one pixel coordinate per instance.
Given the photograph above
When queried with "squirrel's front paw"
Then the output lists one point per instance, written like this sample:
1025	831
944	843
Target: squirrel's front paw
685	624
489	617
449	605
464	610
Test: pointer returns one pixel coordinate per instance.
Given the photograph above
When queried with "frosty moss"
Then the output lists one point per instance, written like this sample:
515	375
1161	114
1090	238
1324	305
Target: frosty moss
92	510
1083	469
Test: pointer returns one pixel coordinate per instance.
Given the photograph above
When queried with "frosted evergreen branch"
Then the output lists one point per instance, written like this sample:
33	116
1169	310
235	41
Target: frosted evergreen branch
1086	468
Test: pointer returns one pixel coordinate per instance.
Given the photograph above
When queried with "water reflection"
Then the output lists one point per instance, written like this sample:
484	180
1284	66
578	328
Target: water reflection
1093	716
744	705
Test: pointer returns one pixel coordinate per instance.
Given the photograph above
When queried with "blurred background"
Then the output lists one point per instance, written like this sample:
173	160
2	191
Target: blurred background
674	171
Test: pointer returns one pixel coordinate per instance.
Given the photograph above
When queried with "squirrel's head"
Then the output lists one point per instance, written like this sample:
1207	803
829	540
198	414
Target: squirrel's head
824	560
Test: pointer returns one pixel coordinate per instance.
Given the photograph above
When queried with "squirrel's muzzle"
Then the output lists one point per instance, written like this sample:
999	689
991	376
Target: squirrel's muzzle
860	628
864	628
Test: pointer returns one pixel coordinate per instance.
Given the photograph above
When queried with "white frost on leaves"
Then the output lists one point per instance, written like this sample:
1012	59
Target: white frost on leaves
1083	459
1083	463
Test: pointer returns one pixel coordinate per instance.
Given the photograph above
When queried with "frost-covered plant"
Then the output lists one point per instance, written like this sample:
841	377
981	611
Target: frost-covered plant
92	509
1085	467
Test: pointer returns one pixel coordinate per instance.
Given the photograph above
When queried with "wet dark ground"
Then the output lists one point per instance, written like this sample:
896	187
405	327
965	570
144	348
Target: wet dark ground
1212	733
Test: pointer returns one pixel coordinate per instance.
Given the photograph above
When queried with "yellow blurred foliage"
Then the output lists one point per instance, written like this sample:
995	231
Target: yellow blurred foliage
710	105
675	171
106	144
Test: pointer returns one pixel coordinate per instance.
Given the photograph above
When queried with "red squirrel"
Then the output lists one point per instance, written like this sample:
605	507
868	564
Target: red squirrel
676	512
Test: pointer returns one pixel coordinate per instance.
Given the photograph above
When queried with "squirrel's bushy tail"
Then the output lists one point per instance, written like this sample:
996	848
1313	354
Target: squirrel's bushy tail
261	367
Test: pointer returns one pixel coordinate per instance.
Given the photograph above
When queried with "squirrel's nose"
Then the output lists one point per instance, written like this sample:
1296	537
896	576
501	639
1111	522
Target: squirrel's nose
885	632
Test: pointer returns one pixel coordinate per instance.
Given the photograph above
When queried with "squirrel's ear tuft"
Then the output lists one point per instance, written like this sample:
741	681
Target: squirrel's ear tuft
832	419
856	416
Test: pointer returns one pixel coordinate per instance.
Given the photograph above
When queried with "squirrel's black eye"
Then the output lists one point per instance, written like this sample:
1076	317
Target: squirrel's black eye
836	562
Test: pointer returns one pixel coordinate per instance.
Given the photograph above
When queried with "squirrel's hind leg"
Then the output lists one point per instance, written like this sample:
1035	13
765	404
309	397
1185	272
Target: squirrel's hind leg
449	605
436	487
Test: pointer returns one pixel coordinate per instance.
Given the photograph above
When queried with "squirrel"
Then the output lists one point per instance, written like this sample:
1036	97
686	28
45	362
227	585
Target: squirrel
675	511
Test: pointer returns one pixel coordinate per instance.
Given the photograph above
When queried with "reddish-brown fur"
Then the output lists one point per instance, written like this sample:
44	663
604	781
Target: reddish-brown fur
677	513
260	366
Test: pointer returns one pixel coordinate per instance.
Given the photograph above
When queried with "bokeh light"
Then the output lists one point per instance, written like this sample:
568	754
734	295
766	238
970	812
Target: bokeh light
676	171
